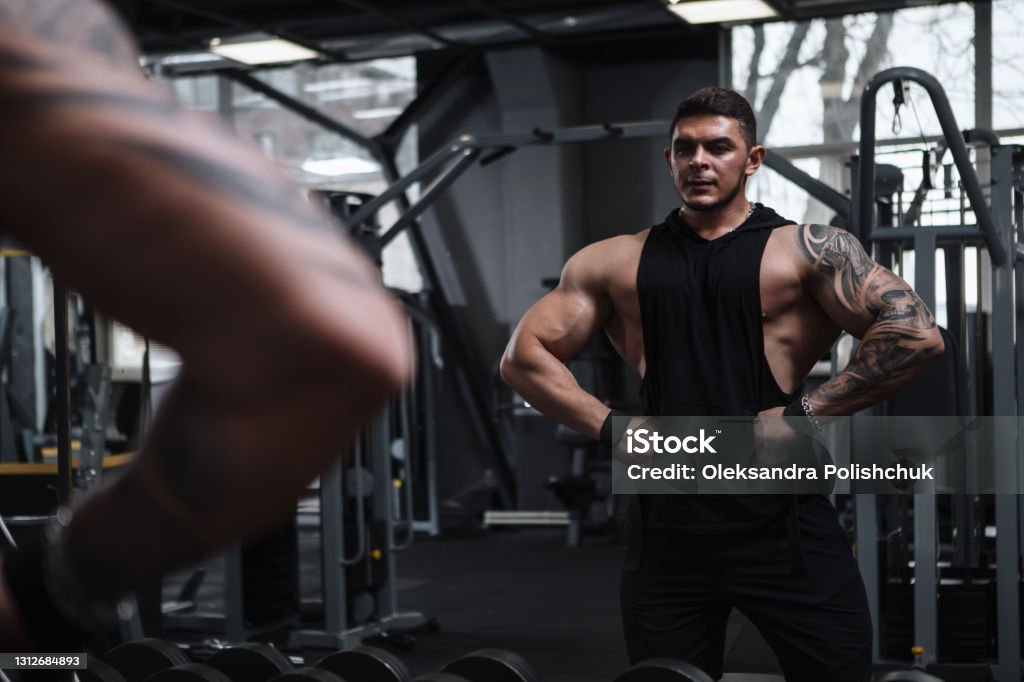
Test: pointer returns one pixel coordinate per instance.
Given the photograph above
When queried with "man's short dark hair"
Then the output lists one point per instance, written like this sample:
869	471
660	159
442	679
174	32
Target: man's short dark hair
717	101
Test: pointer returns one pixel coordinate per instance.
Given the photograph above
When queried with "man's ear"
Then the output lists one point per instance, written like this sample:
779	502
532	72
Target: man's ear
668	159
755	157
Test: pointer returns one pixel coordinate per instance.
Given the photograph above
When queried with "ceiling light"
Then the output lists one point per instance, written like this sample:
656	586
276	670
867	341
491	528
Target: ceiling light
381	112
721	11
188	58
261	50
346	165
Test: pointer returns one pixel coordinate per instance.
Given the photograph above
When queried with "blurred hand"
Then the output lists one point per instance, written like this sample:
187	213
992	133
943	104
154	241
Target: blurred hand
774	439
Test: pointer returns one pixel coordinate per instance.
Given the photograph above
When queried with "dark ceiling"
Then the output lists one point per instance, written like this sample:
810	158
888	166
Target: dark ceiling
350	30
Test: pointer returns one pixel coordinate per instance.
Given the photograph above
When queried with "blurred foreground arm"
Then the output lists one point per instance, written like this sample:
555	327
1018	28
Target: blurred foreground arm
164	222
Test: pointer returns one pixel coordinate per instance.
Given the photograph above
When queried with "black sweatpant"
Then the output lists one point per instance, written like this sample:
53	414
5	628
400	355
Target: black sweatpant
677	602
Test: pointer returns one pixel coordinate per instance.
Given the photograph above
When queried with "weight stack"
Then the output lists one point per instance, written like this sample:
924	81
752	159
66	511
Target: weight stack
897	622
966	628
371	572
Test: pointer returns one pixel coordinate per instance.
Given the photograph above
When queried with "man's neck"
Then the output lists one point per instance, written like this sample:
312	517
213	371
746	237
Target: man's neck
711	224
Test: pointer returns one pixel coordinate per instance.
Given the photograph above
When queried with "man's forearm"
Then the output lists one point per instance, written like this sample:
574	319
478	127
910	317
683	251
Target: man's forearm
208	475
890	355
551	388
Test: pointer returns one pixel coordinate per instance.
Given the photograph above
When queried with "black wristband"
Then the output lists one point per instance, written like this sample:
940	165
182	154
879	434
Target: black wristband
24	572
794	409
606	428
806	423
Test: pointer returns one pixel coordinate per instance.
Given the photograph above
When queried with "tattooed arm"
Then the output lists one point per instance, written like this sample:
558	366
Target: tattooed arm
288	341
897	332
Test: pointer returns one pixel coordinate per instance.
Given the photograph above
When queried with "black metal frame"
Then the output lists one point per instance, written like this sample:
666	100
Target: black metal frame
863	218
999	239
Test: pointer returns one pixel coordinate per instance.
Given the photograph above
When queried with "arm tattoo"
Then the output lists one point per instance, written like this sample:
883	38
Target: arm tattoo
839	257
83	23
900	338
282	200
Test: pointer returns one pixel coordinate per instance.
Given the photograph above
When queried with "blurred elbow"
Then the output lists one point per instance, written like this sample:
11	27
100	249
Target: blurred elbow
391	359
371	353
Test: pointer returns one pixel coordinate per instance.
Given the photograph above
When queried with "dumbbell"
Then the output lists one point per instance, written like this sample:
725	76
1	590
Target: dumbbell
664	670
366	664
249	662
145	659
492	665
97	670
134	661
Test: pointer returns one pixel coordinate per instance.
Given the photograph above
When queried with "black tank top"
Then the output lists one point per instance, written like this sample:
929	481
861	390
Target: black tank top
700	308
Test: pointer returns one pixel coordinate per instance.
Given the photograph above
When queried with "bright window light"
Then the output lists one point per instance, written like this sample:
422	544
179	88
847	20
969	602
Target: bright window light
721	11
270	50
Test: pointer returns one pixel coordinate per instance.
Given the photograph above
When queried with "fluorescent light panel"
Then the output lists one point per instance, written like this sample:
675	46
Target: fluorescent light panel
381	112
721	11
268	51
346	165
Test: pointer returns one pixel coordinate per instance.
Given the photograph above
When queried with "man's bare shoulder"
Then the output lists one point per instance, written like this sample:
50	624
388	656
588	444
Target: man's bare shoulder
611	252
814	239
78	25
812	246
633	240
788	234
614	250
597	264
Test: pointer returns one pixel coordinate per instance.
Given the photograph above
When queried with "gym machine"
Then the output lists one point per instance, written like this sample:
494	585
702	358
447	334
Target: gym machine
950	586
366	508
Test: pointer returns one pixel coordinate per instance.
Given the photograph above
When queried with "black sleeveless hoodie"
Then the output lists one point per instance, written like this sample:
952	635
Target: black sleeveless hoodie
700	306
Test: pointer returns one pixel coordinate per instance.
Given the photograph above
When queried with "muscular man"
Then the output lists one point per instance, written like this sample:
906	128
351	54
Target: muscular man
723	309
288	341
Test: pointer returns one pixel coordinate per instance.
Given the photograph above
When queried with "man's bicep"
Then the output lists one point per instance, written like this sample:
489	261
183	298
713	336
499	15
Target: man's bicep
564	321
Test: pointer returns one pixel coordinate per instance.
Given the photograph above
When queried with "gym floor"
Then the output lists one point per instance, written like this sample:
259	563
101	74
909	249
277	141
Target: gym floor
516	589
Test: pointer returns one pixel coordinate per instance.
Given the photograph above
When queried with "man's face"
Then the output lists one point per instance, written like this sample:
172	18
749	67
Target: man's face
710	161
